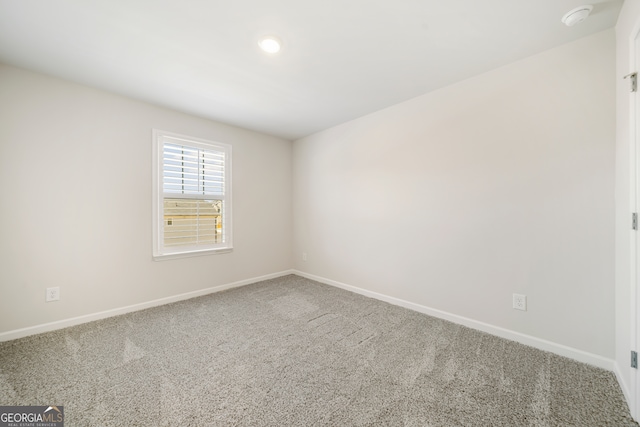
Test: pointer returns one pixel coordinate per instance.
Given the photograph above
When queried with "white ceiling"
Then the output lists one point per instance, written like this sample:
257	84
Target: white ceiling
341	59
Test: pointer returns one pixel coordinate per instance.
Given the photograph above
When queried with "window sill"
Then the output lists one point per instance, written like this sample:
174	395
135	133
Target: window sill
190	254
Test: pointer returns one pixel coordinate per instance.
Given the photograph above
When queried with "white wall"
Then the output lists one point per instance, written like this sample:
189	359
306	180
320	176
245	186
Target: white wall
456	199
628	19
75	177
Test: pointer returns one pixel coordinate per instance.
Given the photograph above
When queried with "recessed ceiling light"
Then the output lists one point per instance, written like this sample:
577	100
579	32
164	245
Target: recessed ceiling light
270	44
576	15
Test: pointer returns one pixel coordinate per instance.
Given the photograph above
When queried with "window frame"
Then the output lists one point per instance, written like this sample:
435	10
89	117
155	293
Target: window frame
160	252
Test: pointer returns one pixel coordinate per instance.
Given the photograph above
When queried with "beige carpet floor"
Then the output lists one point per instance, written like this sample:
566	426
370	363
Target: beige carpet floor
293	352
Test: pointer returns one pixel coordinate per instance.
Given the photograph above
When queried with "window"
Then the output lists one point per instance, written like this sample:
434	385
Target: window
191	196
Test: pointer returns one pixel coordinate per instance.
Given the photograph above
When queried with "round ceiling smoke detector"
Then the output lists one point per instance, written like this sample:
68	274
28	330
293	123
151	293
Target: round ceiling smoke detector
576	15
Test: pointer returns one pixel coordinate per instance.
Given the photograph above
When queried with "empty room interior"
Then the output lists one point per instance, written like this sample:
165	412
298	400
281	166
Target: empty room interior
412	213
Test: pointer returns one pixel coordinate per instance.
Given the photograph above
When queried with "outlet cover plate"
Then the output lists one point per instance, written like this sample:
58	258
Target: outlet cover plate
53	294
520	302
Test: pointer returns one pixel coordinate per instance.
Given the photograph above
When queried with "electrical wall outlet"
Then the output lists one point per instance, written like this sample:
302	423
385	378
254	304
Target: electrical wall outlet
53	294
304	256
520	302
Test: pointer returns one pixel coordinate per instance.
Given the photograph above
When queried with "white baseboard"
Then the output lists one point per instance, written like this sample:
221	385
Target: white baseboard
623	385
559	349
60	324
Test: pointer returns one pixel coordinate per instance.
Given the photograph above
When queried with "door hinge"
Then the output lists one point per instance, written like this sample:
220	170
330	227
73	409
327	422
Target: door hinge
634	220
633	79
634	359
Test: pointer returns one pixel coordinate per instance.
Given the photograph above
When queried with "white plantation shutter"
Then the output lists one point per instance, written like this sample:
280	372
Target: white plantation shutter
188	170
192	203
